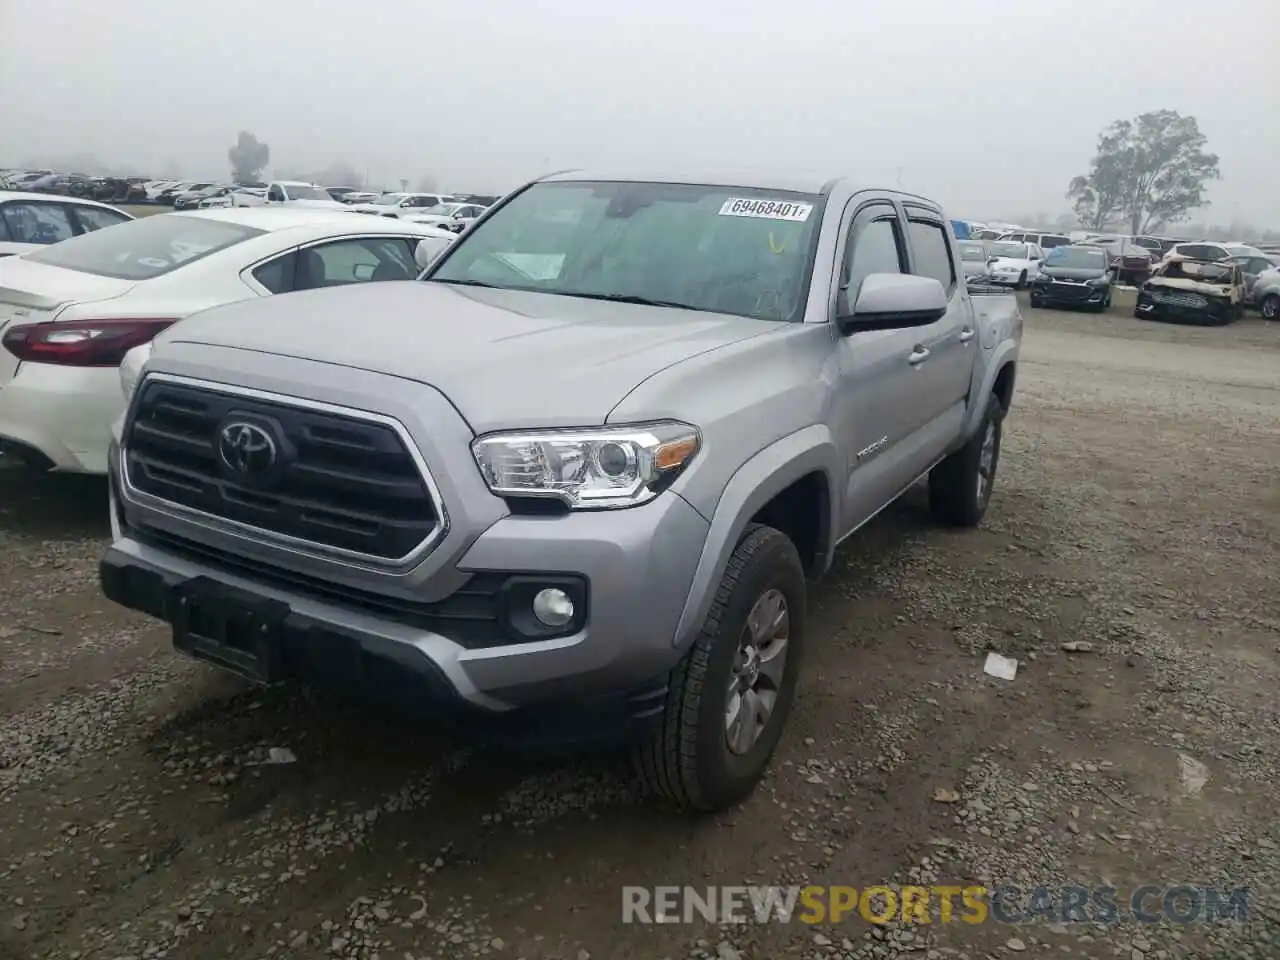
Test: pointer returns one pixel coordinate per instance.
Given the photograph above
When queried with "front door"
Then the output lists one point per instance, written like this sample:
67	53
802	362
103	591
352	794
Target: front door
879	388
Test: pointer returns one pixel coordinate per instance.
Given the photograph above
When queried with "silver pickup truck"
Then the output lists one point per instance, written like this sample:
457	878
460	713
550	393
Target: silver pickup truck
568	485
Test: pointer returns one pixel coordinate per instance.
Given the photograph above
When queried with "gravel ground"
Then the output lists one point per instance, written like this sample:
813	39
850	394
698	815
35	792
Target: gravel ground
1136	519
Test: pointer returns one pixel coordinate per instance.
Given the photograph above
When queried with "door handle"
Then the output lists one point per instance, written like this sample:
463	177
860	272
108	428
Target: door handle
918	355
966	334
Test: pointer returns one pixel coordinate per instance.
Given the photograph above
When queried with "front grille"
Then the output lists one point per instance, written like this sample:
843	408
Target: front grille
1193	300
1065	291
336	481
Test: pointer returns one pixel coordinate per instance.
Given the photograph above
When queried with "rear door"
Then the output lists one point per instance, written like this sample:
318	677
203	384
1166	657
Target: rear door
944	372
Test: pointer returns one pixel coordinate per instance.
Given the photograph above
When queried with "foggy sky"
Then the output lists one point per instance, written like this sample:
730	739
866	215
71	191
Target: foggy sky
990	106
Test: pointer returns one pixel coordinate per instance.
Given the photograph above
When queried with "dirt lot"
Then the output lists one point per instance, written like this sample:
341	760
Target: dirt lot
1137	510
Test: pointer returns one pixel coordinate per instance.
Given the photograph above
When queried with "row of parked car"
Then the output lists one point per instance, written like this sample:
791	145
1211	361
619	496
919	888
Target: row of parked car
1200	281
453	212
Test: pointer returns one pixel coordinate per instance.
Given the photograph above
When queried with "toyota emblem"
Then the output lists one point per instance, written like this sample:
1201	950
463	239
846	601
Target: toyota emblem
247	448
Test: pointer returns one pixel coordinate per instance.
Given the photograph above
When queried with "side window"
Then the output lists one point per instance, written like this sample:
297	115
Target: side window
277	275
37	222
95	218
354	261
875	246
4	228
275	193
931	256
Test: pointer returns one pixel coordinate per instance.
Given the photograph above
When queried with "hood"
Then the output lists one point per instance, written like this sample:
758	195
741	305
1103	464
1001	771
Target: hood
367	207
506	359
1074	273
1195	286
1009	263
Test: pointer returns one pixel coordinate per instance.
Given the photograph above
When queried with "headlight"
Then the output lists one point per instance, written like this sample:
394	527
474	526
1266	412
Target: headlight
588	468
131	369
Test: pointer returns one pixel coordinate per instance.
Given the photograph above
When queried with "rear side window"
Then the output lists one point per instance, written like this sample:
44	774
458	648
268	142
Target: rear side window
932	257
1049	241
145	248
95	218
277	275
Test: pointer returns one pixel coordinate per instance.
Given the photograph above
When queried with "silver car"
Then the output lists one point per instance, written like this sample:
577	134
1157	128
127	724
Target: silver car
1266	294
973	259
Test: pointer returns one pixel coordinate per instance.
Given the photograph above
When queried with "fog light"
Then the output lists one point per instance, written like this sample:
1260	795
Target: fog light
552	607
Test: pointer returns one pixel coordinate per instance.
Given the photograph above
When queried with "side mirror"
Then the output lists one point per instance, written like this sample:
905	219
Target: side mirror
892	301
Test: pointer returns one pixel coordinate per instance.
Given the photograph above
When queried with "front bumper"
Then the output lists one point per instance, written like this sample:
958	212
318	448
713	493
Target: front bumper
637	566
326	652
1069	294
1211	312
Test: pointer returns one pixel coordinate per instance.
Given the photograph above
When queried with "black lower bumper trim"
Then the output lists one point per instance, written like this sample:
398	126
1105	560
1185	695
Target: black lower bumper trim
387	673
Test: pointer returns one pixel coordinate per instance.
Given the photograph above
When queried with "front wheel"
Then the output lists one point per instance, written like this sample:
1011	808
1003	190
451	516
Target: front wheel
1036	301
960	486
730	695
1022	280
1270	307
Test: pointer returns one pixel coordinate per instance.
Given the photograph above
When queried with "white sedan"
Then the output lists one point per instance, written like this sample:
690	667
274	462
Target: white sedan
454	217
70	312
1013	263
29	221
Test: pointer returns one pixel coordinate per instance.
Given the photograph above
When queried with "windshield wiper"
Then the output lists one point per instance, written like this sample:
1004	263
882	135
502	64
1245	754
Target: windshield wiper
629	298
469	283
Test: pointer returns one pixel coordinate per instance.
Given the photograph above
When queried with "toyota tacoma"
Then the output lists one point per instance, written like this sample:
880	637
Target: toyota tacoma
570	483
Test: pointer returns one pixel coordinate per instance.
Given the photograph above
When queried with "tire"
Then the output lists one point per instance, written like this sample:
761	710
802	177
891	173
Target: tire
960	486
688	759
1022	281
1270	307
1036	302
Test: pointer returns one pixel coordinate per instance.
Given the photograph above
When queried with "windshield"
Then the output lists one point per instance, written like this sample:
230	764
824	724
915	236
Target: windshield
742	251
296	192
143	248
1078	258
1199	270
972	251
1016	251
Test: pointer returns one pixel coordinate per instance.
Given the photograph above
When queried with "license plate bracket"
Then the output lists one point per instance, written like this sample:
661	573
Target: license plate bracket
230	628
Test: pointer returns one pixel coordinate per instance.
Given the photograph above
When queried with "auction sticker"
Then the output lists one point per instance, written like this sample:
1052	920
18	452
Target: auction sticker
766	209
